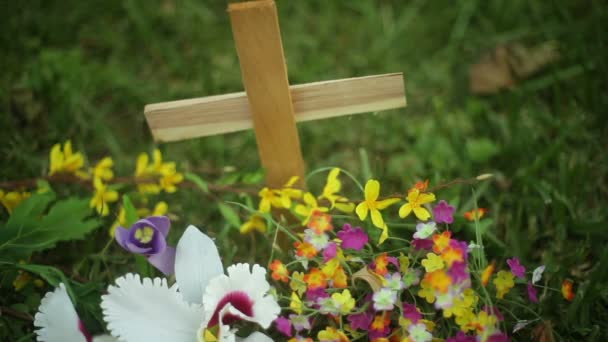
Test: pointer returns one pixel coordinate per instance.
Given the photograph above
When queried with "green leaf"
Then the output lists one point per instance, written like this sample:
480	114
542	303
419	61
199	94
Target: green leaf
194	178
130	211
230	215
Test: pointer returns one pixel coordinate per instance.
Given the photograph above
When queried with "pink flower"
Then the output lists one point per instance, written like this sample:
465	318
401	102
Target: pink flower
330	251
444	213
517	269
361	320
411	312
283	325
532	294
353	238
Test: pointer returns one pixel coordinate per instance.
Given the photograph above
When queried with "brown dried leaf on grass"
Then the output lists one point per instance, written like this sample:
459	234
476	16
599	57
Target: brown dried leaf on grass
503	67
543	332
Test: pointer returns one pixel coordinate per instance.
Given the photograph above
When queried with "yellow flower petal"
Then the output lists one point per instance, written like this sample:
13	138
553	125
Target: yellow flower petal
421	213
405	210
377	218
387	202
384	235
362	210
426	198
372	190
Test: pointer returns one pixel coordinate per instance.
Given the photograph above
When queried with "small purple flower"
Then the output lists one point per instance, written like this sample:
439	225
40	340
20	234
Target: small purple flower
352	238
411	312
148	237
361	321
517	269
283	325
443	212
499	337
422	244
461	337
532	294
316	294
330	251
459	272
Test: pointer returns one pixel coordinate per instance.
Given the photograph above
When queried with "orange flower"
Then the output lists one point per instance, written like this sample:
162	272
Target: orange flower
420	186
340	279
441	241
380	322
567	291
451	255
320	222
475	215
305	249
315	279
487	273
279	271
381	264
439	280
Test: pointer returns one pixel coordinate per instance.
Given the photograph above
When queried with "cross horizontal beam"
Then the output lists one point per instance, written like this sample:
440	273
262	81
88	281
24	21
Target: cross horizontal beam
184	119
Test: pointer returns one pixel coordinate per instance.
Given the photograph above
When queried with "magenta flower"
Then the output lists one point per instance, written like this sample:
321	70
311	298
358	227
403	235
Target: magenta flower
461	337
283	325
314	295
422	244
517	269
353	238
532	294
148	237
362	320
330	251
411	312
459	272
443	212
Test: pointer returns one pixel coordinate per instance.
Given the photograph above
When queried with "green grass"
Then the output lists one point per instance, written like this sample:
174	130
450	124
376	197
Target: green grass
85	70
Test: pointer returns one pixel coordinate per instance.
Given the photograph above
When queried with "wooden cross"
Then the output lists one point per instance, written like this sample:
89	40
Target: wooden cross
270	105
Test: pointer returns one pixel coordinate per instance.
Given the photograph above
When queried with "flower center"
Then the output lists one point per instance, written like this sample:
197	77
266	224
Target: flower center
239	300
144	234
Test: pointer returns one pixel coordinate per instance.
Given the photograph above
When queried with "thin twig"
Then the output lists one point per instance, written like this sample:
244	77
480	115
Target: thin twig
13	313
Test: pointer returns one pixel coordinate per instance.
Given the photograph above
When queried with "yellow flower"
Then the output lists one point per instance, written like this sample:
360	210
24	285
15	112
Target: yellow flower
426	291
373	206
255	223
307	210
332	187
103	169
296	303
432	263
169	179
332	334
289	192
102	197
415	201
271	198
12	199
344	301
504	283
145	176
297	283
66	161
404	263
121	220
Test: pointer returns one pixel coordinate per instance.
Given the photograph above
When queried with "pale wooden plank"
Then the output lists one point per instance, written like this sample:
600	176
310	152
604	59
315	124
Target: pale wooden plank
184	119
255	27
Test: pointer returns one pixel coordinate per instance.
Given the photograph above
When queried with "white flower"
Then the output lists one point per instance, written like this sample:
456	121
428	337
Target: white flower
203	297
59	322
538	274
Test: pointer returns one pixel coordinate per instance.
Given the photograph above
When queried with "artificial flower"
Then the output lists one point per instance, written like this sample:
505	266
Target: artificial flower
331	334
297	283
441	241
148	310
279	271
102	197
315	278
424	230
443	212
432	263
415	201
332	187
320	222
295	303
371	204
148	237
384	299
283	325
504	283
58	321
352	238
418	333
309	207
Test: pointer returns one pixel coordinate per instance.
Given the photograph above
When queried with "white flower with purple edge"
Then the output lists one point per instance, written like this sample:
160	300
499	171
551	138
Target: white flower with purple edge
425	229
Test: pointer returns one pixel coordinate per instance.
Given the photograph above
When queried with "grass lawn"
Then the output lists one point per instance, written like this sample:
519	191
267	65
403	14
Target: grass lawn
83	70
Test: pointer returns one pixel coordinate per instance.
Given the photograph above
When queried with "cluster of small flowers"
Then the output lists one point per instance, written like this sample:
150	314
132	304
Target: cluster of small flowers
339	285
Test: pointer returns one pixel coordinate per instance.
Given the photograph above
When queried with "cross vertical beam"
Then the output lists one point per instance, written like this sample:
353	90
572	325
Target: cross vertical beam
255	26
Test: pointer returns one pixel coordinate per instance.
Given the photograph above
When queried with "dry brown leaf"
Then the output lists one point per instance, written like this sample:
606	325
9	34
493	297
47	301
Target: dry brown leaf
369	277
543	332
503	67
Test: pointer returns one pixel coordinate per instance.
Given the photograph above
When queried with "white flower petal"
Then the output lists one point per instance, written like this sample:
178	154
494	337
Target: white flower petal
104	338
148	310
242	280
197	261
256	337
57	318
538	274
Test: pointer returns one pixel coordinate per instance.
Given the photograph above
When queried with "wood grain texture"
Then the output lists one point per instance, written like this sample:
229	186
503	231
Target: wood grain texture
186	119
255	27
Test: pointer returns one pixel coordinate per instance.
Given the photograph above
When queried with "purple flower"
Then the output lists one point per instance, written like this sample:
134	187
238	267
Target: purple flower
353	238
499	337
330	251
422	244
283	325
532	294
361	321
443	212
411	312
458	272
299	322
148	237
314	295
517	269
461	337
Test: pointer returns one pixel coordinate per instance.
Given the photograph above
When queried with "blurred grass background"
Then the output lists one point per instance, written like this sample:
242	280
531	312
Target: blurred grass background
83	70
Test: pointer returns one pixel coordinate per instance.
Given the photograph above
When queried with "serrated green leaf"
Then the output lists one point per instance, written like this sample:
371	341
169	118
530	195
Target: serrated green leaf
130	211
230	215
194	178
